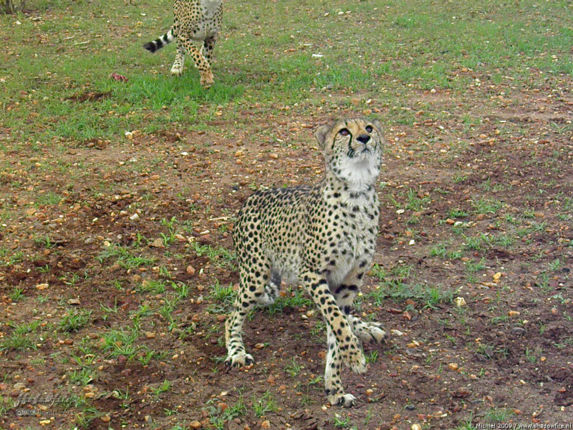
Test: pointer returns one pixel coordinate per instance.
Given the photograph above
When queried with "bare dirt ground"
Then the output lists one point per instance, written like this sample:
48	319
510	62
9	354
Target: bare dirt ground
479	211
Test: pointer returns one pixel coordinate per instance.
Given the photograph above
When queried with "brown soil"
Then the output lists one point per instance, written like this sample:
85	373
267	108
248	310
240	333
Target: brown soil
505	355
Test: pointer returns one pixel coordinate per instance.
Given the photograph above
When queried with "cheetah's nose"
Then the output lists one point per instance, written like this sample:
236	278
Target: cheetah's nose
363	138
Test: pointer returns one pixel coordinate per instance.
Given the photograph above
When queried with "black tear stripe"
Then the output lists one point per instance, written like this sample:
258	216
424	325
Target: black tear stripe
350	152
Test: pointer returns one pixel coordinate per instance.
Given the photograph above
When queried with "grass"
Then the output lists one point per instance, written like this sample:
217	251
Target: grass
124	257
264	404
75	320
442	250
22	337
393	285
261	66
295	299
121	342
216	254
223	296
218	417
498	415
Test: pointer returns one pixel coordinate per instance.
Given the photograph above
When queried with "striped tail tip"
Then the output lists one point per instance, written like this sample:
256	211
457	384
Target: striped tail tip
151	46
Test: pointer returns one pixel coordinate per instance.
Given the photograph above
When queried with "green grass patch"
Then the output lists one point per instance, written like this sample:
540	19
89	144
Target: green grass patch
67	93
425	295
75	320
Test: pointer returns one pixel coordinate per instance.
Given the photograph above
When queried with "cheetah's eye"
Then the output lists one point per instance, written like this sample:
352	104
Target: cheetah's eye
344	132
369	128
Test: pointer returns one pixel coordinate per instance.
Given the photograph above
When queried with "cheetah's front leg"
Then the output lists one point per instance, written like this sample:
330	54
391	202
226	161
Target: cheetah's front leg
236	354
201	62
347	343
345	295
256	287
332	382
208	47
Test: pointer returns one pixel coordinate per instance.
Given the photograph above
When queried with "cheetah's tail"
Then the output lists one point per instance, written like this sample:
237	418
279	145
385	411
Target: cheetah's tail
160	42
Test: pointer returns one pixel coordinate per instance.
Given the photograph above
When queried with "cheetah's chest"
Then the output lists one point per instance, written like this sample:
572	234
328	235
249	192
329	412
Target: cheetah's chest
354	225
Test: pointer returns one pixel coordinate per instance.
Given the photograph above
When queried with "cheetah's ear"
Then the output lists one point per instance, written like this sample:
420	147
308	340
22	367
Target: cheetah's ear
321	133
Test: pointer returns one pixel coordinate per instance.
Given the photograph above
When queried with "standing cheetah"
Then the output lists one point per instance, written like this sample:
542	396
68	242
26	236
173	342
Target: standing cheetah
323	236
194	20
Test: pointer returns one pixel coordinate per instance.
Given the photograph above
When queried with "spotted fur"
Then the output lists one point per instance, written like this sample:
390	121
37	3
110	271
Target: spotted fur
195	20
322	236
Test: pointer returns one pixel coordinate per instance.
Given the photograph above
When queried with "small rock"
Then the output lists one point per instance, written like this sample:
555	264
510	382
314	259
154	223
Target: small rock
121	360
134	217
157	243
396	332
415	427
20	386
75	302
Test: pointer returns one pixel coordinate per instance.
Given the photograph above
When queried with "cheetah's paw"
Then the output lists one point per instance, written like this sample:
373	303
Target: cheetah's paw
239	359
375	333
207	79
345	400
177	70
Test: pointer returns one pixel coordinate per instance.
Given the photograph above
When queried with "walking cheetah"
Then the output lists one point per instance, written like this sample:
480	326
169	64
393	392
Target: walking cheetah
323	236
194	20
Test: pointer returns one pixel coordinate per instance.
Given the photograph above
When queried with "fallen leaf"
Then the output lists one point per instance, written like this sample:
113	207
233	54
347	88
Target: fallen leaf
118	77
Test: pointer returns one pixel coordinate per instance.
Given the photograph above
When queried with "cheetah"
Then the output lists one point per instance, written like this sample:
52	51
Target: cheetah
324	237
194	20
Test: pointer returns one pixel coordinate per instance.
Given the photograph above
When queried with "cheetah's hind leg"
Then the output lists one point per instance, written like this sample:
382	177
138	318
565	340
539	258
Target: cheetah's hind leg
254	289
236	354
271	290
177	68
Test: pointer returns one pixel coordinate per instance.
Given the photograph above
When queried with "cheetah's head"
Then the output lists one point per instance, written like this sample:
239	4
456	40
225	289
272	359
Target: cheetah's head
352	150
